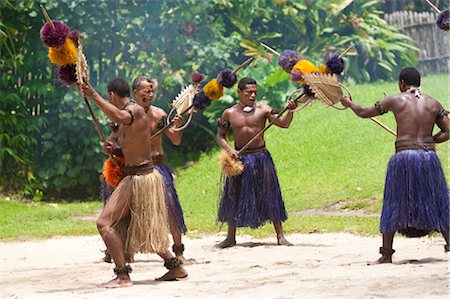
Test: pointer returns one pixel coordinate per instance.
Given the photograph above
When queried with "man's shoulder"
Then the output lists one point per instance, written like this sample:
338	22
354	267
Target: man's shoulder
158	111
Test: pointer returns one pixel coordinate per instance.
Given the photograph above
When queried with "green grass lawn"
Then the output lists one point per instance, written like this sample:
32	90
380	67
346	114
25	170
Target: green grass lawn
326	157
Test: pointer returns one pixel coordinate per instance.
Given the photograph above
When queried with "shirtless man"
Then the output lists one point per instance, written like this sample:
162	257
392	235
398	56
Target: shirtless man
144	90
140	191
416	199
254	197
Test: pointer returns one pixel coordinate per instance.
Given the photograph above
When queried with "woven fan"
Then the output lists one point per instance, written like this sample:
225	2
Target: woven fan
326	88
184	99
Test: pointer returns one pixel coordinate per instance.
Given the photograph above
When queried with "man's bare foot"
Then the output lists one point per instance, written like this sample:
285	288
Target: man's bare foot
382	260
226	243
122	281
283	241
106	259
174	274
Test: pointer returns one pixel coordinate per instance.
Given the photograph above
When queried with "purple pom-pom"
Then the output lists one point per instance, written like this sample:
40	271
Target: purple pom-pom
296	75
226	78
74	36
443	20
288	59
201	101
67	74
335	64
54	37
308	91
197	78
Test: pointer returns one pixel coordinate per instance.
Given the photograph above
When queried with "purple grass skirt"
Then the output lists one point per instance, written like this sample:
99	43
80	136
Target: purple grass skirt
105	190
254	197
173	204
416	198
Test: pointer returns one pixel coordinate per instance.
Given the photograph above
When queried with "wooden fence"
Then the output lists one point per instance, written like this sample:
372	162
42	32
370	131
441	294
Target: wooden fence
434	55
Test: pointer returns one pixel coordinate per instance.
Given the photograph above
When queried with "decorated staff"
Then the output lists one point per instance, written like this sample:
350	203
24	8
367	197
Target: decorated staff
293	63
327	88
443	18
191	99
66	51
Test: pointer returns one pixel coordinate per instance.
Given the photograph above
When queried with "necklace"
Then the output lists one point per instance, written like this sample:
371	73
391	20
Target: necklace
246	108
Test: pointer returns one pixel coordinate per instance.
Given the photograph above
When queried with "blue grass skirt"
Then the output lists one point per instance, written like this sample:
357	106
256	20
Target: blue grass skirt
105	190
416	197
173	204
254	197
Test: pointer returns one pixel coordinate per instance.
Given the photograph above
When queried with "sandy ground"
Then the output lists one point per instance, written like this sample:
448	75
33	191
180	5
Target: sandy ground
318	266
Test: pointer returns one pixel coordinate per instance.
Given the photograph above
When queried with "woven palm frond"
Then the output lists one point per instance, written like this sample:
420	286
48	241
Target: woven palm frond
326	88
81	66
184	99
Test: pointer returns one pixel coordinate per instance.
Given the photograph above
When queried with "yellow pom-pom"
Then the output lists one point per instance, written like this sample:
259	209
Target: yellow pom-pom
213	90
323	69
66	54
305	67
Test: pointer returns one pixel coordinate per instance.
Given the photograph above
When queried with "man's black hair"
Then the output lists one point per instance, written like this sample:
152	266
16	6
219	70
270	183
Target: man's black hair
410	76
244	81
119	87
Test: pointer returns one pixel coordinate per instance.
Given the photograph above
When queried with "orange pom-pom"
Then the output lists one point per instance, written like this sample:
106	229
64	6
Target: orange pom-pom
66	54
112	170
323	69
305	67
213	90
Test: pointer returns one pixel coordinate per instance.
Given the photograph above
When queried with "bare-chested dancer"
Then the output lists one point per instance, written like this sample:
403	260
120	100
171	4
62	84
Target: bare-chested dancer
254	197
140	195
144	90
416	199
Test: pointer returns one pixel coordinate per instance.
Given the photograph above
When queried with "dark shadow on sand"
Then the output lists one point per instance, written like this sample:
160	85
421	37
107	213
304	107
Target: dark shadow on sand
428	260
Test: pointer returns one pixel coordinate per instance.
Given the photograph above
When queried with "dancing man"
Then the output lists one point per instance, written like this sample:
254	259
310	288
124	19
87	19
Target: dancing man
144	90
138	200
416	199
254	197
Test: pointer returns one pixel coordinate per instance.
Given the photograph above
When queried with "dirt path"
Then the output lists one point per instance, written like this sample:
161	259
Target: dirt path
318	266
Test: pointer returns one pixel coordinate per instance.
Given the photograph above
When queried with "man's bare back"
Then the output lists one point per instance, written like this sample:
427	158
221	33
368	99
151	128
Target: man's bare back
415	116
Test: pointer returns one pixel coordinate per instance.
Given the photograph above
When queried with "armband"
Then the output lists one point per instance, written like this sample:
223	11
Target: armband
443	113
223	124
379	108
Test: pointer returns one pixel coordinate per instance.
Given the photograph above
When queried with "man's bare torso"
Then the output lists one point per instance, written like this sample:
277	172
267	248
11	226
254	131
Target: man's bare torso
415	116
154	117
245	125
134	139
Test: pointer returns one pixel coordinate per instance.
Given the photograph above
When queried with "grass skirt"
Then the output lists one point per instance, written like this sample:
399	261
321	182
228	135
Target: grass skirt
254	197
172	202
416	198
146	230
105	190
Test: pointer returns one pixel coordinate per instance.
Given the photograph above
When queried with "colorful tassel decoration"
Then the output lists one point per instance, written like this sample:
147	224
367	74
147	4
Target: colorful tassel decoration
213	90
227	78
197	78
67	74
201	101
335	64
288	59
66	54
443	20
54	37
112	170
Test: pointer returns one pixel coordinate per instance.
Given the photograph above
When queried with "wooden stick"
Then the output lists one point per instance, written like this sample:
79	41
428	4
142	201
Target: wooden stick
94	119
383	126
437	10
270	49
171	122
242	65
47	17
266	128
345	52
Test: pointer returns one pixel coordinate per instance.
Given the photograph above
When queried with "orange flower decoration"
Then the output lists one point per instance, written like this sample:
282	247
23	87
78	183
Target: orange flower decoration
112	170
